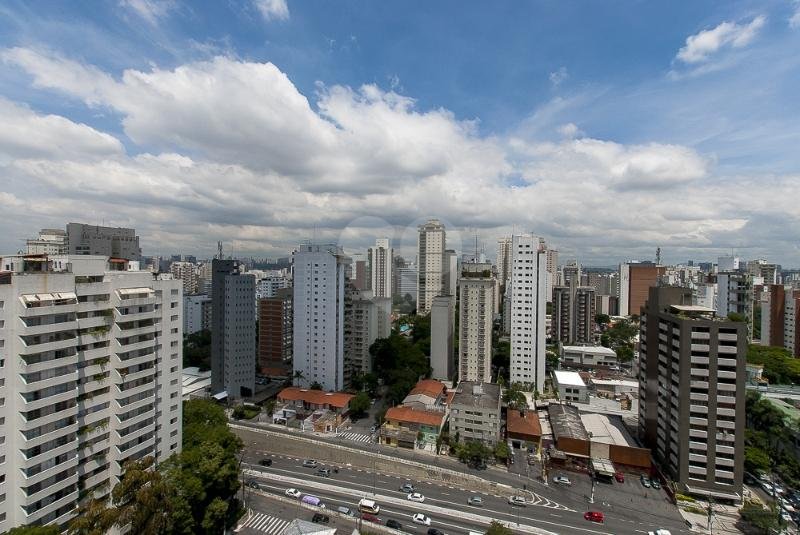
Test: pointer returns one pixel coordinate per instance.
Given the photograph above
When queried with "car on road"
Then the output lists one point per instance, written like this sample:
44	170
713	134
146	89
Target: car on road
434	531
476	501
645	481
517	500
253	484
265	462
373	429
594	516
416	497
319	518
655	484
562	480
419	518
407	488
310	463
345	510
293	493
368	517
324	472
394	524
620	477
659	532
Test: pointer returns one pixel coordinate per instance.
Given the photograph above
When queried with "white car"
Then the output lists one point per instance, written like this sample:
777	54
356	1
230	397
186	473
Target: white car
293	493
564	480
416	497
659	532
517	500
419	518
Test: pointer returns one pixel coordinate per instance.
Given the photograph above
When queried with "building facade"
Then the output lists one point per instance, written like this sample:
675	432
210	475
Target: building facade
442	330
476	310
527	311
780	314
573	314
185	272
275	331
90	375
635	281
319	298
475	413
431	266
114	242
366	319
692	377
50	242
233	323
196	313
381	262
503	261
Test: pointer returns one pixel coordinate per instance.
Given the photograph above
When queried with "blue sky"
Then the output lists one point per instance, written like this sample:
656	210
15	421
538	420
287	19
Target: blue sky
366	117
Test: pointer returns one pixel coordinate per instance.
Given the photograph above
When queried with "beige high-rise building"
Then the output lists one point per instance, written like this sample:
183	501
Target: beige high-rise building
503	260
476	307
186	272
380	263
431	260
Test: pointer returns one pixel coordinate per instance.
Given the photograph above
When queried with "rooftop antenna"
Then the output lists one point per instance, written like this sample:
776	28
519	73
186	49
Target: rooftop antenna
476	246
219	249
658	256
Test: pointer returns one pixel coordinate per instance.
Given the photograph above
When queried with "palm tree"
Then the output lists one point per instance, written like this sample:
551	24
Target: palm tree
299	377
515	398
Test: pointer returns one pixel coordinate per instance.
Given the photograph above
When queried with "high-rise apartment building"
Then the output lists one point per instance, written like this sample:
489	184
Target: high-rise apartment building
635	281
114	242
196	313
551	263
269	285
477	287
503	260
380	268
319	298
366	319
735	294
442	327
187	274
780	318
233	323
50	242
527	310
431	267
573	314
358	271
275	331
450	275
766	272
692	393
90	377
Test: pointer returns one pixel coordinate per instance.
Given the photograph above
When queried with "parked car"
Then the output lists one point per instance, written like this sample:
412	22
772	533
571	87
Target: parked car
594	516
367	517
416	497
655	483
293	493
645	481
324	472
419	518
319	518
310	463
517	500
562	480
394	524
265	462
476	501
407	488
620	477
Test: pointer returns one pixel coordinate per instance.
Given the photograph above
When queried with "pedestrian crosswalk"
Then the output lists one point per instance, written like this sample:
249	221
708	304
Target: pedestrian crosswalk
265	523
356	437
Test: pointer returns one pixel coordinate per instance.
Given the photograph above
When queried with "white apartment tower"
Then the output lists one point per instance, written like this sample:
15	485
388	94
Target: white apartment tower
186	272
431	268
476	294
319	286
90	377
381	262
528	310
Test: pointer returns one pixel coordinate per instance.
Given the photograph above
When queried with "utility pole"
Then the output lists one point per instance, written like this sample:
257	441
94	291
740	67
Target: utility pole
710	515
591	496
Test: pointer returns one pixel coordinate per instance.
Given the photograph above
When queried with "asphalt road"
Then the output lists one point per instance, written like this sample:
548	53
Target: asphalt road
556	508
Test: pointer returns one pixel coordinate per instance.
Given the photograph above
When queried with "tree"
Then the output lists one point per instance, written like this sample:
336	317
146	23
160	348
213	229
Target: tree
315	386
298	378
765	520
496	528
269	407
360	404
501	451
779	365
756	460
602	319
735	316
515	398
34	530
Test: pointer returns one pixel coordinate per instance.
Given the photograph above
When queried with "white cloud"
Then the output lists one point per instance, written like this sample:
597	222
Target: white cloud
556	77
272	9
150	10
700	46
237	153
794	20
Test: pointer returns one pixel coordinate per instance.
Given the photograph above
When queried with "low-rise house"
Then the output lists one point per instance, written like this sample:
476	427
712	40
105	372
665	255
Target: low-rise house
323	411
523	428
570	386
475	413
589	357
428	394
407	427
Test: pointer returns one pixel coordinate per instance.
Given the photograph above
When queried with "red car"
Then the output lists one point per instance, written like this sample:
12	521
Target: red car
620	477
370	518
594	516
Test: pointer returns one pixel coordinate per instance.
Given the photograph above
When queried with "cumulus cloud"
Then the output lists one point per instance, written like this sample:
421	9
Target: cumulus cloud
272	9
236	153
702	45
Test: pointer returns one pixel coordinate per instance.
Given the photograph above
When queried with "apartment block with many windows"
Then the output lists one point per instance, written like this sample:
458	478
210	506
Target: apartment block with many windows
90	377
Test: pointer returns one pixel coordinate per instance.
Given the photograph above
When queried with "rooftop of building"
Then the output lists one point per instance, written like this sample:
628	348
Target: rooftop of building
566	422
594	350
526	423
428	387
607	429
417	416
475	394
564	378
315	397
615	382
304	527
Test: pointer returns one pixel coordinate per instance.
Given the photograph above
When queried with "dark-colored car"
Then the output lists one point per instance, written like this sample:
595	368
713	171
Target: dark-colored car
370	518
265	462
253	484
655	483
319	518
434	531
324	472
394	524
620	477
645	481
407	488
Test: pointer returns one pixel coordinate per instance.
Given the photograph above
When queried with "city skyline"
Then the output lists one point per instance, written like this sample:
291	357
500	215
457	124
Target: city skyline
313	121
